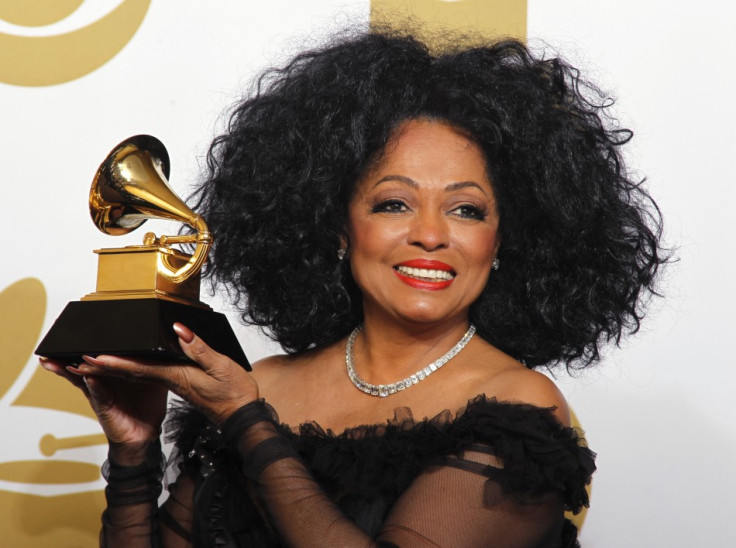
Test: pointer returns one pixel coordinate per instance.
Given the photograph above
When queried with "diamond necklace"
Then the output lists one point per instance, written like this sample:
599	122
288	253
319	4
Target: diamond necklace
383	390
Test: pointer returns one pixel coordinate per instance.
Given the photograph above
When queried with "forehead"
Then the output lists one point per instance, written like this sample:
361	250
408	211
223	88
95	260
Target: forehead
431	153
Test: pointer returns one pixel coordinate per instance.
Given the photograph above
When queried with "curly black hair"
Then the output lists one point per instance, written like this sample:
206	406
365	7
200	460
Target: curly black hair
580	238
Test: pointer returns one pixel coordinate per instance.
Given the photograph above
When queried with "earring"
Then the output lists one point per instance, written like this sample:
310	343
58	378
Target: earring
496	264
341	254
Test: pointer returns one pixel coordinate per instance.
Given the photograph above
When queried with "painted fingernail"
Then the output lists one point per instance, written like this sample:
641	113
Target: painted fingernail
185	334
74	370
93	361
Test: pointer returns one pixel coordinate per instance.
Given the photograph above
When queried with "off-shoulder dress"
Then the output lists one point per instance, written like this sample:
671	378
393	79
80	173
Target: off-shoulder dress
492	474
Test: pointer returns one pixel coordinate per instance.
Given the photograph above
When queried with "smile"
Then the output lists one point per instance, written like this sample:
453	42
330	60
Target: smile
425	274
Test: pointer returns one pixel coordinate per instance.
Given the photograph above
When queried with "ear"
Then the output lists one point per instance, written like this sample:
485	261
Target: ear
342	249
344	240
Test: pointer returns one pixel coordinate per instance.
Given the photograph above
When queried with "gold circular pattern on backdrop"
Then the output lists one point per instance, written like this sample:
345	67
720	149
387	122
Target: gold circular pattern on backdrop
22	309
49	60
32	520
37	13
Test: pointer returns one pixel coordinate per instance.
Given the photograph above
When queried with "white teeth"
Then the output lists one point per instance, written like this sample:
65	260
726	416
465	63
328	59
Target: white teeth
425	274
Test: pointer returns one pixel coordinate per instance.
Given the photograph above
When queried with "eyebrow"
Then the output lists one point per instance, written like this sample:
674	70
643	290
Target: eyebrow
413	184
406	180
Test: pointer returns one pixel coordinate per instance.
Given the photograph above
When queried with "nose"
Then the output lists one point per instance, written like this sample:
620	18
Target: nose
429	231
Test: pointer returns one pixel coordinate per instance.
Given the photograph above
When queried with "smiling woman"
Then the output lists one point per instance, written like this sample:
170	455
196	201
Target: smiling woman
422	226
419	231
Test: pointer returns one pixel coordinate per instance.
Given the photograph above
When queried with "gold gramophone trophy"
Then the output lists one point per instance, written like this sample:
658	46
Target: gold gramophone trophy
143	289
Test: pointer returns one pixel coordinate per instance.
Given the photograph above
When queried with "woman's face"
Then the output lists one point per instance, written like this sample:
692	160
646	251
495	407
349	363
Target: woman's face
423	226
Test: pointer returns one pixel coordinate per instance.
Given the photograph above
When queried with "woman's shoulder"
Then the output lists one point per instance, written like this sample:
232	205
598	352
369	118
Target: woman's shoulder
529	387
280	367
505	379
291	382
271	366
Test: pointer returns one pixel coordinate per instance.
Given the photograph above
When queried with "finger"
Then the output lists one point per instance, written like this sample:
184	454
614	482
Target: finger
197	350
52	365
175	378
99	395
62	370
127	368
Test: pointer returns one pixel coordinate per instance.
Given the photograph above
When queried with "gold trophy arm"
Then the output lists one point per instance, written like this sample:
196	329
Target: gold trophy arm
203	239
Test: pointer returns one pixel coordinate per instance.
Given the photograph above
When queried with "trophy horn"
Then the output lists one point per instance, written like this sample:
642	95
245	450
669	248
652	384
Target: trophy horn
141	289
131	186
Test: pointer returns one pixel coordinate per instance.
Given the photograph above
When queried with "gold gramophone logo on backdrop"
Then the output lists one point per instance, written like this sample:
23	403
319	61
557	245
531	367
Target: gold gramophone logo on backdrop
50	484
38	48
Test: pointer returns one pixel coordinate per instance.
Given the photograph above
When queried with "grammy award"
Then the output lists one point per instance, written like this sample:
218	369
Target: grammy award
141	289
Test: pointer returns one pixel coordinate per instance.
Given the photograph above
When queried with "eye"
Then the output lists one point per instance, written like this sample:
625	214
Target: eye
390	206
469	211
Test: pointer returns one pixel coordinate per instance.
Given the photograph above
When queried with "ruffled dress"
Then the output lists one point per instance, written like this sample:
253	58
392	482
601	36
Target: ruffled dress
493	474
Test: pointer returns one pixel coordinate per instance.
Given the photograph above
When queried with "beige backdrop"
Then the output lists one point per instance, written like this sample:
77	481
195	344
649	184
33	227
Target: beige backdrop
77	76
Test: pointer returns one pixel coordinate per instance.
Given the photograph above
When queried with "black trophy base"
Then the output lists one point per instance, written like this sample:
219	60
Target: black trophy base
135	327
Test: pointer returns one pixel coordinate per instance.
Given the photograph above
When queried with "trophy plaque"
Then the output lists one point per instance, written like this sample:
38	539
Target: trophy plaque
142	289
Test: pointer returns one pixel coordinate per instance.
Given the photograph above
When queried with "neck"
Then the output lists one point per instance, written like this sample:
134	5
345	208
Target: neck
386	352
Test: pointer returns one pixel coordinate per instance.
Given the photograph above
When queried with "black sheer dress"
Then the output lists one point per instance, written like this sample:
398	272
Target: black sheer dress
494	474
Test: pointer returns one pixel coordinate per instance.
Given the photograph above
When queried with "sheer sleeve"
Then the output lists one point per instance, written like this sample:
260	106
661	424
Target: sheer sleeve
131	516
457	502
176	515
494	474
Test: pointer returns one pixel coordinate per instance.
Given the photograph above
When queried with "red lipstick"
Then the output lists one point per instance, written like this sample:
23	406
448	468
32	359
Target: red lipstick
429	265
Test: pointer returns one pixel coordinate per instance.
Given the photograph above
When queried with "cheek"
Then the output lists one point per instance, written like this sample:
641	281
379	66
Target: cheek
480	253
373	239
481	247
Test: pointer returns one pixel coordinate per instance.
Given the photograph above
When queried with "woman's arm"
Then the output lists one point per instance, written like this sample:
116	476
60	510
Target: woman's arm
131	414
132	517
129	399
456	503
133	488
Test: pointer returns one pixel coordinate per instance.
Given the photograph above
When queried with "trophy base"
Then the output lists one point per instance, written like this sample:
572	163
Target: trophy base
135	327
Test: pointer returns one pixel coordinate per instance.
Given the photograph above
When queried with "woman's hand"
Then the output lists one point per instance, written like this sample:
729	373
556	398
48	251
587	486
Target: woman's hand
130	413
216	385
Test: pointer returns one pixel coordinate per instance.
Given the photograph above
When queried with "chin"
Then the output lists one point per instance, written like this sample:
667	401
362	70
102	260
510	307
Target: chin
427	316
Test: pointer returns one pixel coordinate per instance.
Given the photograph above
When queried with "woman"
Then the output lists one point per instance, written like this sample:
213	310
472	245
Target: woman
419	232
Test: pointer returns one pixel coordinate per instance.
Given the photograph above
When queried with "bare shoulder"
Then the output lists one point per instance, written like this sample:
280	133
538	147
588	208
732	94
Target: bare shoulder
498	375
270	365
285	375
273	369
278	378
522	385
